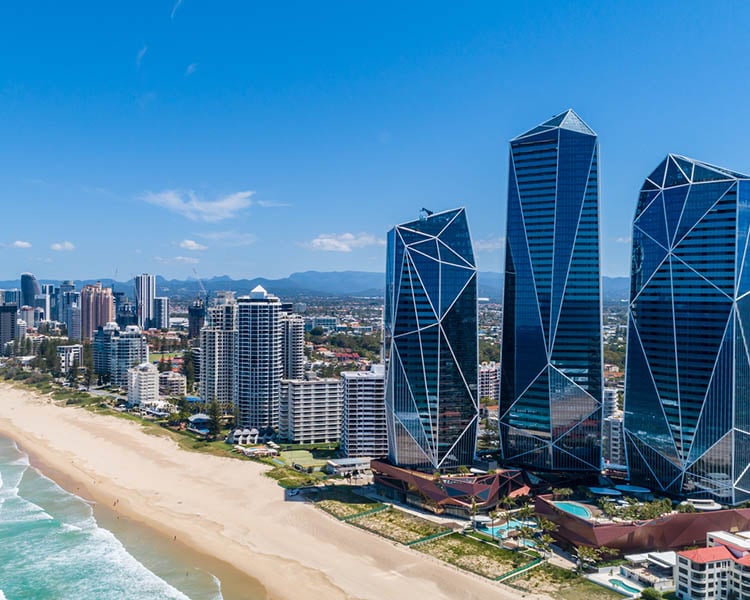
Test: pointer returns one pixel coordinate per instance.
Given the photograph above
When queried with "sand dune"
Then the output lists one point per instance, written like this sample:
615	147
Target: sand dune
225	508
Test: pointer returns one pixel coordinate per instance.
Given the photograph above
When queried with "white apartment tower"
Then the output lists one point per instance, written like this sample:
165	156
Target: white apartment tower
218	338
293	358
310	410
258	360
145	292
363	430
143	384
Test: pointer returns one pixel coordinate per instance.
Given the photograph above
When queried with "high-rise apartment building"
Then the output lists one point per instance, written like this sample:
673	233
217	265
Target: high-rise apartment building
196	318
145	292
71	313
8	318
489	378
218	338
431	403
551	366
310	410
143	384
97	309
687	393
115	351
293	346
258	360
29	289
161	313
363	429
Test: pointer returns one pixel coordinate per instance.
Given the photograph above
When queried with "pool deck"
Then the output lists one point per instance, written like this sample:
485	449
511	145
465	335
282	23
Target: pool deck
602	578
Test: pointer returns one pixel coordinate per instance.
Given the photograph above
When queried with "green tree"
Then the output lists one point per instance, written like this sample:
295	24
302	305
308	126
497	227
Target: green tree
88	364
72	374
651	594
214	414
188	368
562	492
507	502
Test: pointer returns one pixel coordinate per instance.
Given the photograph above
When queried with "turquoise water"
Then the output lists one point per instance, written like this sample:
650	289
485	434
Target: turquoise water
501	531
574	509
624	586
52	547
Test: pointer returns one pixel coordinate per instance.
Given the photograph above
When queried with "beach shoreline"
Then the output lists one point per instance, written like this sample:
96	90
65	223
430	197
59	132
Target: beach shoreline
221	510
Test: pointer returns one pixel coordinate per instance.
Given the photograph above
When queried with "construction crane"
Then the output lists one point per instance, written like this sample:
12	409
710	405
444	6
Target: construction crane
200	283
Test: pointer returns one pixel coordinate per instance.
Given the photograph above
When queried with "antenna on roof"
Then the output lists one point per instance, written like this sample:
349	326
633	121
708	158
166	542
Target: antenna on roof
424	213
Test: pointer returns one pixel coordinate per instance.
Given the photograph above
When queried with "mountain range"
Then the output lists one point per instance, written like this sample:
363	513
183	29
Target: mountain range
317	283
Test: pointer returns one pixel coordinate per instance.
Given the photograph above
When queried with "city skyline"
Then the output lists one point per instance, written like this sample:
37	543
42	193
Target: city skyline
283	149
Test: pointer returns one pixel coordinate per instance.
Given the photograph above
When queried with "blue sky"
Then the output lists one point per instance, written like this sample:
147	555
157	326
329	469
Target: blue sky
259	139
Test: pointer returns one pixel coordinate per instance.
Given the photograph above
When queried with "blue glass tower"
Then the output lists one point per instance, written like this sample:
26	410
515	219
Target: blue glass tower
431	400
551	367
687	390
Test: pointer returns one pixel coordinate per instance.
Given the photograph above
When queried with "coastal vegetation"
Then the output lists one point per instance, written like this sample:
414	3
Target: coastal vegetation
342	502
399	526
474	555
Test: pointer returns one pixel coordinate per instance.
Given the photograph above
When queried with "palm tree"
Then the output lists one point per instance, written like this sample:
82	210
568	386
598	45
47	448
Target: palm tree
548	526
544	542
507	502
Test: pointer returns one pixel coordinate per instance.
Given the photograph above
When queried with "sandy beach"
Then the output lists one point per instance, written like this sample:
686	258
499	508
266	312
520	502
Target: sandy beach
224	508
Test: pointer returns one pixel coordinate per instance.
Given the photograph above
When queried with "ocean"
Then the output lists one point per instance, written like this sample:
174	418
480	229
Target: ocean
53	548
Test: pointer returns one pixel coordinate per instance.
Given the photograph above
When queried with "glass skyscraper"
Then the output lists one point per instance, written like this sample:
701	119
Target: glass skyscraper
687	390
551	367
431	340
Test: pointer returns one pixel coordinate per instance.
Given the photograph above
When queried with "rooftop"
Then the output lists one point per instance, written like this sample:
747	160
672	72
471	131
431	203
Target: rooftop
707	555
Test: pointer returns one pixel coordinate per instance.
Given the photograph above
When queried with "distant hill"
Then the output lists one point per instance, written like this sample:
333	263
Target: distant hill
319	283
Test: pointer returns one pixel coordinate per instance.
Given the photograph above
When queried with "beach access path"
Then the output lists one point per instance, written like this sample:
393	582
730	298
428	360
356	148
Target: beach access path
226	508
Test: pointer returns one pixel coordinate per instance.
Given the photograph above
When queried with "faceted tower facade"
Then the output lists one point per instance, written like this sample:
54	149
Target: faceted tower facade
432	407
551	367
687	391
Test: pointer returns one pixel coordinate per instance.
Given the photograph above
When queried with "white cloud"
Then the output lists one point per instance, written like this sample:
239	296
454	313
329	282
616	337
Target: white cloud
344	242
192	245
141	54
189	206
184	260
623	240
490	244
191	69
174	8
21	244
229	238
65	246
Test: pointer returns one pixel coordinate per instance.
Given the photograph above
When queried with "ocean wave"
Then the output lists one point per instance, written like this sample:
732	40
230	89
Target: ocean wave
54	548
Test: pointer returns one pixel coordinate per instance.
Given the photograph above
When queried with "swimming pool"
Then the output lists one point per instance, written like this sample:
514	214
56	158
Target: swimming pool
621	585
501	531
579	510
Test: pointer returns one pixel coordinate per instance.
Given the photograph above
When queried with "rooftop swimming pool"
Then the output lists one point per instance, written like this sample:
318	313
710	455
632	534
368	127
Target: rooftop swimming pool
579	510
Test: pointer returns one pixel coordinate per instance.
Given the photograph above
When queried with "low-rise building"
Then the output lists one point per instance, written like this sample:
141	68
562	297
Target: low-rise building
718	571
172	384
68	355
